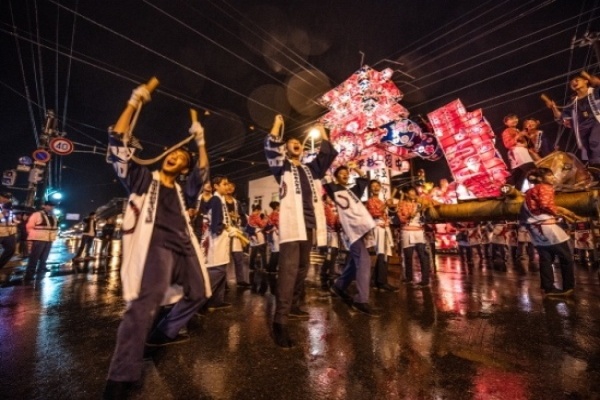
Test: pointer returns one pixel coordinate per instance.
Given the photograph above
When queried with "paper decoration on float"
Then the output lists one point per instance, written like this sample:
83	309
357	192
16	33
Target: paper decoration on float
366	100
466	139
368	125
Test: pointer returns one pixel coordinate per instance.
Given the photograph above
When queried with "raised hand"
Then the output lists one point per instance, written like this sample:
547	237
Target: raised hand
198	131
277	124
139	96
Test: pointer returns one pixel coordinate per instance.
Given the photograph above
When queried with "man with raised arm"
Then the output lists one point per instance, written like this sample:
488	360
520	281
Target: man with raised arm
161	255
302	216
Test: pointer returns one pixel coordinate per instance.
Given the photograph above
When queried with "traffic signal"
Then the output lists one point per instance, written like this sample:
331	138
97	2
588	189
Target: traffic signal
9	177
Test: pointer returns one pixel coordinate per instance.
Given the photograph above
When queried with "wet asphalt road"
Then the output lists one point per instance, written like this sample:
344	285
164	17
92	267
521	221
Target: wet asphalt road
475	334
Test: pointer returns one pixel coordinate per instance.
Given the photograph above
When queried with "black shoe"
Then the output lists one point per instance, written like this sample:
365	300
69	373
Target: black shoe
220	306
281	336
115	390
387	288
336	291
365	309
42	270
159	339
297	313
244	285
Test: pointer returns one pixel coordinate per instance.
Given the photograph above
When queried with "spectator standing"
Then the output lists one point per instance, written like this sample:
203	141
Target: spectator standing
87	237
42	228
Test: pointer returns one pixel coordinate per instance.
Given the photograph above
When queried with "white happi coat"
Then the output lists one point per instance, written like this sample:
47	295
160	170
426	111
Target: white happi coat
138	225
291	224
217	247
354	216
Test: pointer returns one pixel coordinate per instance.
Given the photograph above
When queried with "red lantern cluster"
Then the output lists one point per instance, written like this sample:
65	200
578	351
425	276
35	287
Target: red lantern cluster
467	141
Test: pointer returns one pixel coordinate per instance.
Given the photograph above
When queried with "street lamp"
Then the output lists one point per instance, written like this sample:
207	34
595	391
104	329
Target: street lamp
54	194
313	134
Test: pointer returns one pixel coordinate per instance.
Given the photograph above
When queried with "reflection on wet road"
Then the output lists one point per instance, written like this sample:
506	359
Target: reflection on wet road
474	334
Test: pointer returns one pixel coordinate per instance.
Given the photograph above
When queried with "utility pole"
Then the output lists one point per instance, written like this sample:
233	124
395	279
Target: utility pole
39	174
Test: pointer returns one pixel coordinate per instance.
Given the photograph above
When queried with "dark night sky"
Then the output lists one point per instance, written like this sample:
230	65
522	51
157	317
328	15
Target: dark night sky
245	60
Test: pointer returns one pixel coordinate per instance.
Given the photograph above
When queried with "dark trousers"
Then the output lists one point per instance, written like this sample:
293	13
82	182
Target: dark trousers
9	245
238	263
328	266
518	175
381	270
273	262
565	258
294	262
590	139
526	248
261	250
162	268
357	268
106	246
423	255
40	250
86	244
23	244
218	280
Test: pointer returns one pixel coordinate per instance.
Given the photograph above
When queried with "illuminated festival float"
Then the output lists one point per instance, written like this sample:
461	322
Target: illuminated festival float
369	126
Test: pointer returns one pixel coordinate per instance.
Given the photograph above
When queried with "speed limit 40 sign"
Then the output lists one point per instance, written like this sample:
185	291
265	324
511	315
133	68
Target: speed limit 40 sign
61	146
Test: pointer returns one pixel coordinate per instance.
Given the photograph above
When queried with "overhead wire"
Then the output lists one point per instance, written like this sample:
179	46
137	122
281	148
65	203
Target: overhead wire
164	57
158	54
39	54
490	59
25	85
56	109
469	37
69	63
493	76
212	41
76	13
33	60
257	27
425	38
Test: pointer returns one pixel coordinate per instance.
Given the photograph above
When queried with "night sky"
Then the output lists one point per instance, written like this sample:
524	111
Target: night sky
243	61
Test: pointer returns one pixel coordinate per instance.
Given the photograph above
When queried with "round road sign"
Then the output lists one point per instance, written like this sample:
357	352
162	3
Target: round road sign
41	155
61	146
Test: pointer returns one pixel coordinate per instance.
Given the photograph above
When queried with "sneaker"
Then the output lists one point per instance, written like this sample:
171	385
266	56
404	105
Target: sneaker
337	292
159	339
387	288
365	309
220	306
297	313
